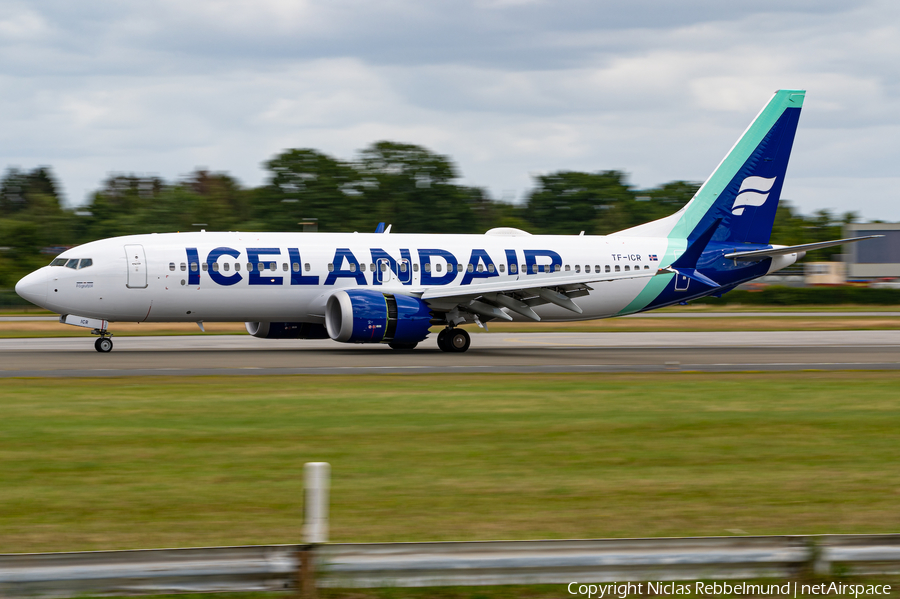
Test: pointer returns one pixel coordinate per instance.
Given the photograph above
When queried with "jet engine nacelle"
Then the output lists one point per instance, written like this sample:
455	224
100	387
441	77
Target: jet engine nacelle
367	316
286	330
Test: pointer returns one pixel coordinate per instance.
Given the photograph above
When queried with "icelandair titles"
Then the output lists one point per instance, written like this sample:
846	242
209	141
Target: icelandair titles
345	265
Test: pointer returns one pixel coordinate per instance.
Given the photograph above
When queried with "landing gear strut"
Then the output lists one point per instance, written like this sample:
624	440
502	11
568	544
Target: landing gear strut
104	344
453	340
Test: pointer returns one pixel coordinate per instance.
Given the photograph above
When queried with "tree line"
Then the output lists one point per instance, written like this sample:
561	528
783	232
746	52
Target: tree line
408	186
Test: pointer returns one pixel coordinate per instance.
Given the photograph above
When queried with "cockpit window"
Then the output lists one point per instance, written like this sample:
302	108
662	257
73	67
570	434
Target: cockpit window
73	263
85	262
59	262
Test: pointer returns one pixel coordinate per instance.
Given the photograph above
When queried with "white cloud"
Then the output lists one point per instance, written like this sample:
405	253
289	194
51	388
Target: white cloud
505	87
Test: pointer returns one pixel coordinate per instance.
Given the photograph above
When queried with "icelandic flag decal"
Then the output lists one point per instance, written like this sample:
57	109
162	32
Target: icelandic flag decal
653	257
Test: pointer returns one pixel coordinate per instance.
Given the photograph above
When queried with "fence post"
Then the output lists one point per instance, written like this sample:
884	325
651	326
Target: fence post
315	502
316	483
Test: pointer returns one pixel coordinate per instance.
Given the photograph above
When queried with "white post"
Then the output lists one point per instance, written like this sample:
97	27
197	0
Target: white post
316	479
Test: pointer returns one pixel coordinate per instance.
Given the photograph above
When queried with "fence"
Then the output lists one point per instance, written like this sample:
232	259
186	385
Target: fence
281	567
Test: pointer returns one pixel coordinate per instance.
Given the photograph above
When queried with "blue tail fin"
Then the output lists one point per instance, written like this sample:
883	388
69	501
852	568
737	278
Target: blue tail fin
744	190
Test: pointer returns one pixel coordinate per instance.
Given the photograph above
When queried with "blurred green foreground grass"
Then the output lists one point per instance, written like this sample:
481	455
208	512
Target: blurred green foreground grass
181	461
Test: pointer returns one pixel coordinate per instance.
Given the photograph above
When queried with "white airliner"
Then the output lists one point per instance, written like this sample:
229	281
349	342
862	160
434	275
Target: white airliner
392	288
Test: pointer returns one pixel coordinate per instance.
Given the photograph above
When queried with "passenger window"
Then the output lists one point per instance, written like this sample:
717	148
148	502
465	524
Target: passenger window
171	266
85	262
352	268
194	267
577	268
524	269
295	267
470	267
646	267
427	267
73	263
272	266
596	268
587	268
439	267
416	267
627	268
215	267
557	267
59	262
513	269
259	266
490	268
330	267
481	268
237	266
459	268
606	268
617	268
183	267
403	267
502	268
204	266
306	266
383	267
534	268
362	267
568	268
284	267
226	266
249	267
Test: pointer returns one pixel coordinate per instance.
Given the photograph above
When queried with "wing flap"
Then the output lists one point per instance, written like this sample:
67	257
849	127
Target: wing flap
548	281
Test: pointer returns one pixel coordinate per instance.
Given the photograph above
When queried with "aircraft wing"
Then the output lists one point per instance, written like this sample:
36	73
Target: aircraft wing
522	294
806	247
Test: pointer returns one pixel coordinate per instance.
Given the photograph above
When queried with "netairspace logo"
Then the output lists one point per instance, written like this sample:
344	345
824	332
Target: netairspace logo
790	589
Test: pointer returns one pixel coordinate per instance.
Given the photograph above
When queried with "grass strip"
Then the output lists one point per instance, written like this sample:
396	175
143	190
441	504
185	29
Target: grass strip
193	461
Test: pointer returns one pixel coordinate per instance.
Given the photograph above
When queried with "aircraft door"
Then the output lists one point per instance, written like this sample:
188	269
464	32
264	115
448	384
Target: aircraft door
137	267
681	282
404	274
383	271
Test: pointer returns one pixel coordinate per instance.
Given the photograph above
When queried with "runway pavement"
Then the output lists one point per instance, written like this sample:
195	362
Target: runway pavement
495	352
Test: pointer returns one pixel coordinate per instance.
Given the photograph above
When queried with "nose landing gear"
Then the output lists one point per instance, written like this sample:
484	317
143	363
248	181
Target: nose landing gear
104	344
453	340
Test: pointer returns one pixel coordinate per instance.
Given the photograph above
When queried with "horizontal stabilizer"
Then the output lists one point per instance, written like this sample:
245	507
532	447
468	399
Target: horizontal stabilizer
793	249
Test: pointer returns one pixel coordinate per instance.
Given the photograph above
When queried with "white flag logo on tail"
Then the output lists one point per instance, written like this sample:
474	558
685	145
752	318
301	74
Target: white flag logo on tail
753	192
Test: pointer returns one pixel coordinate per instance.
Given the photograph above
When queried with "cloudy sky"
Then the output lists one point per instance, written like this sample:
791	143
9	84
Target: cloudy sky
507	88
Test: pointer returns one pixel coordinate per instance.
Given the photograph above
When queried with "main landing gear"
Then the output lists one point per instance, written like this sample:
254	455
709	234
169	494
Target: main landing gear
104	344
453	340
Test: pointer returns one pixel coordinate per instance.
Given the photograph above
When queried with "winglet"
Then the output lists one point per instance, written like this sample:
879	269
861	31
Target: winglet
379	228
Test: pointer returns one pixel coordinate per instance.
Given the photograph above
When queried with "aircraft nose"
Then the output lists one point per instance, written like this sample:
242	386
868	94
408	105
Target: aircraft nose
33	287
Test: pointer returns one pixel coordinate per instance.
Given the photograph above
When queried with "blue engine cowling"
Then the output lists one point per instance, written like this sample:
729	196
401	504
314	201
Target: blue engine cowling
366	316
286	330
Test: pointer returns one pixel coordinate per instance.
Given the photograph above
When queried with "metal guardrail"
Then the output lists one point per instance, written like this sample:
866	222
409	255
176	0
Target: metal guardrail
149	571
279	567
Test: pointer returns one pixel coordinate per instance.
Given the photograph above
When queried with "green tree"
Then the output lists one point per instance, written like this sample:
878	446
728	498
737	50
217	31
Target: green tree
567	202
306	184
412	188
